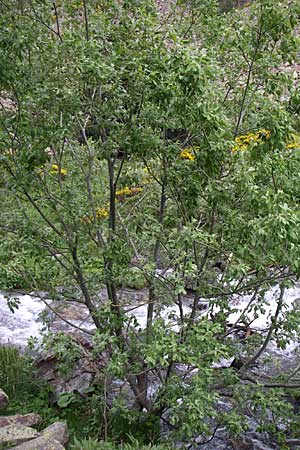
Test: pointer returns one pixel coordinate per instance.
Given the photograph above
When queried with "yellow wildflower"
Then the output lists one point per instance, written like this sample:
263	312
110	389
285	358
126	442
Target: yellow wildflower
101	212
127	192
292	145
264	133
188	154
55	170
243	141
294	142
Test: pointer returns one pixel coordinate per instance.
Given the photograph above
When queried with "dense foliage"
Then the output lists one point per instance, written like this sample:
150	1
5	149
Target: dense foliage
132	140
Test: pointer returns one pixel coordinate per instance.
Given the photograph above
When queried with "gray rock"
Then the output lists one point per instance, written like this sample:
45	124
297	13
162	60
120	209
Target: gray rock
80	377
202	305
259	445
27	420
16	434
41	443
78	380
58	431
293	443
3	399
238	444
296	303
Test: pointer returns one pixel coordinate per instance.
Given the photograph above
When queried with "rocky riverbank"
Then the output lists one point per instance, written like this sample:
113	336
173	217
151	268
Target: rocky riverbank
17	432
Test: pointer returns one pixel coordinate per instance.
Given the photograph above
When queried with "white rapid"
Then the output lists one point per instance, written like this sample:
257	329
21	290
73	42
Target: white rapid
16	328
25	322
262	320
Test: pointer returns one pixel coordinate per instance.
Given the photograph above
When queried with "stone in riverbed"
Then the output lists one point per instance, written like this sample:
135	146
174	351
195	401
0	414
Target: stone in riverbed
296	303
80	378
16	434
41	443
58	431
27	420
51	438
3	399
238	444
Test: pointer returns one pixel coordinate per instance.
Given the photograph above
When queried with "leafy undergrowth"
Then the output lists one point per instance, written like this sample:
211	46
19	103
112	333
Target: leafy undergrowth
29	394
84	416
90	444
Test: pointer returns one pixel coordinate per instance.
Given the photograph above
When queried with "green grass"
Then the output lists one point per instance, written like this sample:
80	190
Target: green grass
14	372
90	444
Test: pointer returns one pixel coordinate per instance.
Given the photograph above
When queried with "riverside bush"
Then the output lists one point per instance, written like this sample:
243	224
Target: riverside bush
118	125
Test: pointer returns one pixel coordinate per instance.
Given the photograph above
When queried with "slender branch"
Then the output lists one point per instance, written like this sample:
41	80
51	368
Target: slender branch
57	21
81	281
252	360
38	19
200	267
252	299
271	385
241	113
152	295
86	20
108	261
88	177
61	317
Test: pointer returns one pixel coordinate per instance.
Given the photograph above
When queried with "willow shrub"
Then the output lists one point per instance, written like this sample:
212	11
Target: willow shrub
119	133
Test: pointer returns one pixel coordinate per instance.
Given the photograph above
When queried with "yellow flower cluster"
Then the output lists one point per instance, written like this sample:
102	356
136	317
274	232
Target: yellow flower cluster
187	153
55	170
101	213
127	192
294	143
244	141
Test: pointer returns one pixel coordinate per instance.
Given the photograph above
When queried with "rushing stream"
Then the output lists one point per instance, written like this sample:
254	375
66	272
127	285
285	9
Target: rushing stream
26	320
16	328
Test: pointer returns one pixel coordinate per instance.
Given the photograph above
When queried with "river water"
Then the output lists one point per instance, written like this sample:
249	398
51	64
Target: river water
27	319
16	328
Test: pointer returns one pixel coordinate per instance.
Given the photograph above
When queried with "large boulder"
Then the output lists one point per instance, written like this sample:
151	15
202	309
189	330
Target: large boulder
53	437
3	399
81	375
79	379
41	443
58	431
16	434
27	420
